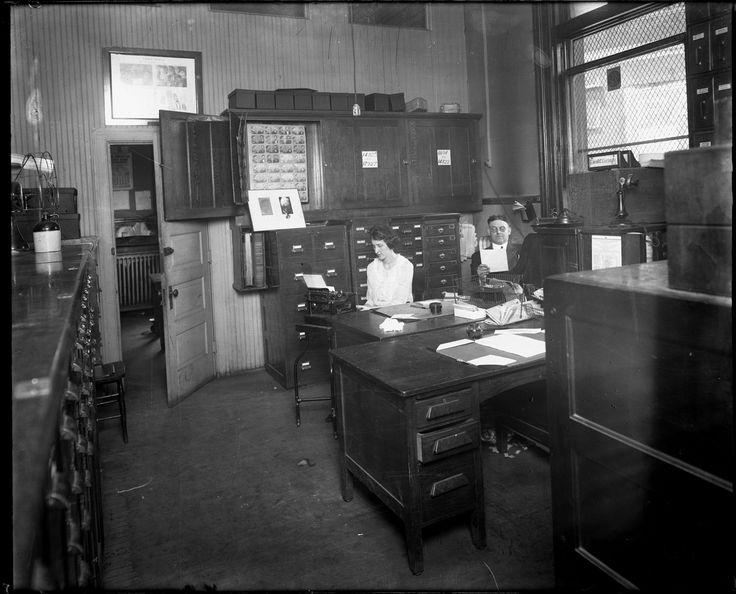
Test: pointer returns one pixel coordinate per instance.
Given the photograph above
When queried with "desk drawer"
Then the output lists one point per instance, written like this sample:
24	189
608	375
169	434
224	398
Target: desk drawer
442	268
441	228
448	487
446	255
449	441
441	241
448	408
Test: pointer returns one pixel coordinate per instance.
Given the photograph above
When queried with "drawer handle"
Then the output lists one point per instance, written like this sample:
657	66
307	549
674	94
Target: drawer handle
417	225
456	481
298	276
443	282
361	229
443	268
331	273
296	249
418	238
360	242
442	256
451	442
361	285
301	335
329	245
444	408
306	365
440	229
441	242
363	269
301	307
418	265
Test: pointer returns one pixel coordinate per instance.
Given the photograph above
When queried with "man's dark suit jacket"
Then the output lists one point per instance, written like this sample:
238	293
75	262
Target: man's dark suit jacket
513	251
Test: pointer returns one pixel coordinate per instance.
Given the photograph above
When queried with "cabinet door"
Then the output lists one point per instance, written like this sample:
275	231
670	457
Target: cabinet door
365	163
443	163
197	167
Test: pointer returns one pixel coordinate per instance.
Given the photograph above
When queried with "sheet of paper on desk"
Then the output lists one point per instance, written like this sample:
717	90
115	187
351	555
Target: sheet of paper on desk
522	346
503	331
491	360
495	260
454	343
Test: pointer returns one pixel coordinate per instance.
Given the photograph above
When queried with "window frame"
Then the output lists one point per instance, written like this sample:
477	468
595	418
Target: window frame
554	33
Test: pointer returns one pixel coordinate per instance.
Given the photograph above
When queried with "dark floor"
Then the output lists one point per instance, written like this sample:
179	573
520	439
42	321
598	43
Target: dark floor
215	493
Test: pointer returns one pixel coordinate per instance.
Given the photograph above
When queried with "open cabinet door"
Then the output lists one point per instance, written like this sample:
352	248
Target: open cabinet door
186	284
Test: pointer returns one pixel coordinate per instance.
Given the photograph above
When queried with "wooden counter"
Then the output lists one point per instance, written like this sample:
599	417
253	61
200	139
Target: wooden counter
53	302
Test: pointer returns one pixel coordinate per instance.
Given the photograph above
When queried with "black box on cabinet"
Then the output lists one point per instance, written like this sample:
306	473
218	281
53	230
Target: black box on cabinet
339	102
396	102
241	99
377	102
283	100
303	101
67	200
321	102
265	100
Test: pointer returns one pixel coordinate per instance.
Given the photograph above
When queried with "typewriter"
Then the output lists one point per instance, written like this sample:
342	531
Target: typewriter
325	301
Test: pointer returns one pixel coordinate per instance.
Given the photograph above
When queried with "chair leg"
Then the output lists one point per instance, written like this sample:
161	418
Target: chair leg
297	400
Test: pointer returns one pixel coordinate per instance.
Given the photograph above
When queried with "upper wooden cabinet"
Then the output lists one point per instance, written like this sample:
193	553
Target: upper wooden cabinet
364	163
444	162
197	167
410	163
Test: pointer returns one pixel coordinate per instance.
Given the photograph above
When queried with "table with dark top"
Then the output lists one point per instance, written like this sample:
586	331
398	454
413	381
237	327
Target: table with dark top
409	427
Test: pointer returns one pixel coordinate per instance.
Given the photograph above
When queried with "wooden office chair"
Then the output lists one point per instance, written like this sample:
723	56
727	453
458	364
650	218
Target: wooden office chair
112	375
313	329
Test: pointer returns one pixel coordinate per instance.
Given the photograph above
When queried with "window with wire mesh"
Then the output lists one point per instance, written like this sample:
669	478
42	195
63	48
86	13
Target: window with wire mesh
412	15
627	87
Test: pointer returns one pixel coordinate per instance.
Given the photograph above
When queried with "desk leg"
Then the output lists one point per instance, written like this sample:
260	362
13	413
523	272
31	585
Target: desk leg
478	515
414	546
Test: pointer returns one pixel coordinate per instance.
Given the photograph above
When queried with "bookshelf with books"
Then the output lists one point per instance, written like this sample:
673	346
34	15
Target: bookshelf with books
249	260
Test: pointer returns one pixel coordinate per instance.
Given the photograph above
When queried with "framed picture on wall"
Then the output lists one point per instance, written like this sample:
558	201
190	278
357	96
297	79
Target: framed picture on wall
140	82
275	209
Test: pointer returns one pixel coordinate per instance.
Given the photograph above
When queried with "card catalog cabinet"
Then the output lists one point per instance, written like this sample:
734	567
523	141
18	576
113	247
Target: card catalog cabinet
441	241
290	254
57	497
708	56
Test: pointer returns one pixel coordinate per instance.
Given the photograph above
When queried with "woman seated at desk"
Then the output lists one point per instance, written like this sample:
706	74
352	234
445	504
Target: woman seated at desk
390	274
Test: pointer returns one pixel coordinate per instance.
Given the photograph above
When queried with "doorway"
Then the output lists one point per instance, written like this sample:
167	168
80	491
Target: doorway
137	253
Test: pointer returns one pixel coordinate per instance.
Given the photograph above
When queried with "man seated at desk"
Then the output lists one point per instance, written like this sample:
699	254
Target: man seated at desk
500	235
390	274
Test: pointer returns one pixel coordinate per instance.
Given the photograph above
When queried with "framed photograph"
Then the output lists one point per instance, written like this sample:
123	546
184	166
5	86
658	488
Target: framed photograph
271	210
139	83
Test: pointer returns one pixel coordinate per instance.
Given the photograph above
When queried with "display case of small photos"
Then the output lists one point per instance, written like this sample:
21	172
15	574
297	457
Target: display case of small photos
277	157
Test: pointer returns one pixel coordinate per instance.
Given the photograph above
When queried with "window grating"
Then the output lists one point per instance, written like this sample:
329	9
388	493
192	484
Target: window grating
642	30
638	102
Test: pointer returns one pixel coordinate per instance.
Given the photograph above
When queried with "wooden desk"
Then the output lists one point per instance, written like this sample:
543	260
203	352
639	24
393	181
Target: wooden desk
409	428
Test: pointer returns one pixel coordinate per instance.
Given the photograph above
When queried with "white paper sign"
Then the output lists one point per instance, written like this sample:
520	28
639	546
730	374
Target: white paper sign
495	260
370	159
605	251
444	157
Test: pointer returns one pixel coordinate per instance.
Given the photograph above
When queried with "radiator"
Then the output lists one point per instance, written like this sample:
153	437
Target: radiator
135	290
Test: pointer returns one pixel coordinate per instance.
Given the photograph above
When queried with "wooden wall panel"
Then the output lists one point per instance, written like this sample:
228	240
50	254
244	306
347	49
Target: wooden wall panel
57	54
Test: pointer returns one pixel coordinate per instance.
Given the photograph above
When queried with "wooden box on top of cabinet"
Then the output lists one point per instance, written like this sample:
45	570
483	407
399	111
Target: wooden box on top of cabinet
290	254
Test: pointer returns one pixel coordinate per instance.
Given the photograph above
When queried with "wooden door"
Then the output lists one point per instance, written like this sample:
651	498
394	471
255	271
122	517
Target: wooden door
186	290
365	163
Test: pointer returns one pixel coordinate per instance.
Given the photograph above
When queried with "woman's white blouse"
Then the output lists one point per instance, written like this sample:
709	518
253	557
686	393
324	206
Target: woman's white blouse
389	286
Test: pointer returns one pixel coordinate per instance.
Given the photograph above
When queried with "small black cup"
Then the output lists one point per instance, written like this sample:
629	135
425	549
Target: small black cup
435	307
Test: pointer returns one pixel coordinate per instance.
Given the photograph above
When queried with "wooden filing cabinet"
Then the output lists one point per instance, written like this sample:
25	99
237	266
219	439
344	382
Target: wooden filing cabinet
409	230
640	400
411	434
57	496
441	240
291	253
362	253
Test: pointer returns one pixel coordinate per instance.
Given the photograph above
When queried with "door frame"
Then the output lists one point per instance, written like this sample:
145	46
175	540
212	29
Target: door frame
102	138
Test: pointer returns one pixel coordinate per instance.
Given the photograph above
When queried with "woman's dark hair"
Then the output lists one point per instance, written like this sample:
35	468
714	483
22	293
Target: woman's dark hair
385	233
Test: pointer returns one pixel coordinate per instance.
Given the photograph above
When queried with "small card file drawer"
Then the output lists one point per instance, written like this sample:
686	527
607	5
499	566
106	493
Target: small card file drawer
447	408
